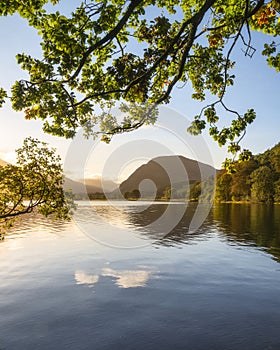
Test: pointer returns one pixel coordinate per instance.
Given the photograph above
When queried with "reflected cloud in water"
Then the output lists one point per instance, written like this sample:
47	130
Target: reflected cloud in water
83	278
121	278
129	278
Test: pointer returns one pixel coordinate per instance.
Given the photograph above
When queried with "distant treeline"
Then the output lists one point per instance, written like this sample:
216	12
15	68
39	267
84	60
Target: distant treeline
257	180
90	196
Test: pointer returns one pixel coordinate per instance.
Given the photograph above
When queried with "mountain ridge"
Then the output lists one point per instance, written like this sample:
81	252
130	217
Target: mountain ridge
86	186
165	172
83	186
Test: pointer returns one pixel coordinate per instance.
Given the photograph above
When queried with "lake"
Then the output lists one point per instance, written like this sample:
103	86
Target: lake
116	277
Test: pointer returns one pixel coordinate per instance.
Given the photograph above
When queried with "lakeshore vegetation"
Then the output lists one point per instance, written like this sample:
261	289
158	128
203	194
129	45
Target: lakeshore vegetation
107	53
257	180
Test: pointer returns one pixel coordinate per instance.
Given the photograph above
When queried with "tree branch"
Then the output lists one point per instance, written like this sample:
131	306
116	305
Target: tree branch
195	19
107	38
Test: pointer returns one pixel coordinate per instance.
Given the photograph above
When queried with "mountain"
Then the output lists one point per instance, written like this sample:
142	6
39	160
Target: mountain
78	187
101	184
164	172
83	187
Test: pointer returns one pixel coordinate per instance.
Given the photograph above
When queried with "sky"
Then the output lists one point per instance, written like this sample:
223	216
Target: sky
256	86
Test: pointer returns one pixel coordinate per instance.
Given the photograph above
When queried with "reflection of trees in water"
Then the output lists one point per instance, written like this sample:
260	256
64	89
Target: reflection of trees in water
247	224
37	223
153	221
243	224
251	224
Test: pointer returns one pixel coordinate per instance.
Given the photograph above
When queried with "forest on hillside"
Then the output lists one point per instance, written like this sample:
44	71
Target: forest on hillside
257	180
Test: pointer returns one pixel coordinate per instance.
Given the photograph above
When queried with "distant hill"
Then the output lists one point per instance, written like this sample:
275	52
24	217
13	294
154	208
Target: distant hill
101	185
82	191
164	172
92	186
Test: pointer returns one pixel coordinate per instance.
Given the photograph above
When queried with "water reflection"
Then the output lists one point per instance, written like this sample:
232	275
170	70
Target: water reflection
82	277
158	223
246	224
240	224
129	278
72	293
182	233
250	224
121	278
33	222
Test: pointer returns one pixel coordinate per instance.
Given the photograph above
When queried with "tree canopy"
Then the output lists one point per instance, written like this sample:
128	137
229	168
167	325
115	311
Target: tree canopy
117	51
35	182
257	180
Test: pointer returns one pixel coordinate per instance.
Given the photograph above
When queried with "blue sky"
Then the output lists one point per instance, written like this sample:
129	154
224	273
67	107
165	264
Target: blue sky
256	86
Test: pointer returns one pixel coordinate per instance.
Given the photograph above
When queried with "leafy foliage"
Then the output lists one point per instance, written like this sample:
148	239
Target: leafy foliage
256	180
195	191
133	195
262	184
114	50
35	182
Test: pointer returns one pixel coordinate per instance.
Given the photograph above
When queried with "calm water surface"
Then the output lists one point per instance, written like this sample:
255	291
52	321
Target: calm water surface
106	281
